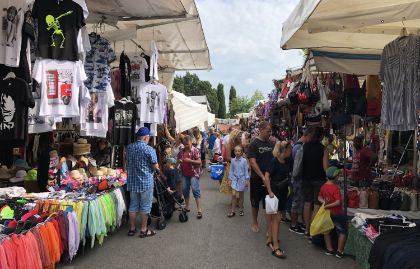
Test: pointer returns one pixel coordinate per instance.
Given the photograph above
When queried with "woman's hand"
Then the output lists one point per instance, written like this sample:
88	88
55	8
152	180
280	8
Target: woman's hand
271	194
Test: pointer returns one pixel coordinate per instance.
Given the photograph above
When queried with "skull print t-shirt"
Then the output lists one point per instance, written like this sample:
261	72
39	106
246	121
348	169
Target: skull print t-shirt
60	82
124	117
15	98
153	99
59	22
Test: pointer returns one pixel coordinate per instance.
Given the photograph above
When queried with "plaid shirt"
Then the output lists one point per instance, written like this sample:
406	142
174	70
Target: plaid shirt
195	155
141	158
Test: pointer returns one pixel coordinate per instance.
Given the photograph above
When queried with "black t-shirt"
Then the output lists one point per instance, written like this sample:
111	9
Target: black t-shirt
262	152
278	173
313	168
172	176
124	117
59	22
147	58
15	98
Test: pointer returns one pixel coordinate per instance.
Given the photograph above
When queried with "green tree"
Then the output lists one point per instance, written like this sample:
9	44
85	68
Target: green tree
232	95
178	85
222	105
257	96
190	84
241	104
213	101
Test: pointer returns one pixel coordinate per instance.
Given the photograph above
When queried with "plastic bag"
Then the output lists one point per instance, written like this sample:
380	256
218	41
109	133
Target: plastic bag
322	222
271	205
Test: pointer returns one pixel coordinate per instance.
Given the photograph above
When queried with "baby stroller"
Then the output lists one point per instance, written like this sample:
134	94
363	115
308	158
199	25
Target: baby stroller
164	203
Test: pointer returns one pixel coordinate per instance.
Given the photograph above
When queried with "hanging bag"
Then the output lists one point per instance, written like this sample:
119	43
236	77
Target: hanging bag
322	222
271	205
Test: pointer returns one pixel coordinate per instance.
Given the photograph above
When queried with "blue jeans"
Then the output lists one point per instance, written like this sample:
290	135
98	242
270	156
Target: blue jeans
141	202
194	184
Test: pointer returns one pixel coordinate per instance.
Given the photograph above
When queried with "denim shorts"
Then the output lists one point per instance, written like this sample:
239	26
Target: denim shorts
340	223
194	184
141	202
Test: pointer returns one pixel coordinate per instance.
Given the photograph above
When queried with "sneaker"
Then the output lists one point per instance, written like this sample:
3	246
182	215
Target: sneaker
307	235
296	229
330	252
302	226
339	254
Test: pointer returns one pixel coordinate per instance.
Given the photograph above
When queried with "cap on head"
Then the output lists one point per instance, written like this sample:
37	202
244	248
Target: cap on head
332	172
143	131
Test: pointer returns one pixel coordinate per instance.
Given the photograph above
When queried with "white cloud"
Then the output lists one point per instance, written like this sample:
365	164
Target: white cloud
244	41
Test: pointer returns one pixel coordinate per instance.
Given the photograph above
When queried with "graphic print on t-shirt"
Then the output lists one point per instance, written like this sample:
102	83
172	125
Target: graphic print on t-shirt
123	118
7	112
94	111
54	23
10	21
153	99
59	84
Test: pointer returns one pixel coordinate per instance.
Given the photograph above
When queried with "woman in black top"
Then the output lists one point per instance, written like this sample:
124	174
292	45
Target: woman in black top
277	182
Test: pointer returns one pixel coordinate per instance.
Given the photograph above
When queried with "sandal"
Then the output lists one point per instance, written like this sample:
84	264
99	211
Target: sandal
241	213
199	215
131	232
147	233
231	214
270	245
279	256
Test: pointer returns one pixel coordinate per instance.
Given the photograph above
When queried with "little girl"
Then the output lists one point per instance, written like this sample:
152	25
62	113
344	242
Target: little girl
238	179
277	183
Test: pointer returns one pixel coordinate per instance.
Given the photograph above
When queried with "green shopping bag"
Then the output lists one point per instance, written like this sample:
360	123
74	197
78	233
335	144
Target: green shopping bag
322	222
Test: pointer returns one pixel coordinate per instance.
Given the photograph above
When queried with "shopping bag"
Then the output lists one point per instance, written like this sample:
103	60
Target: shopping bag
322	222
217	171
271	205
225	184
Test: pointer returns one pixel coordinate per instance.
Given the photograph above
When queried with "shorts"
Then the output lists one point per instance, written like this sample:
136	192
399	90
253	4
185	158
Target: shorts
297	197
311	190
141	202
194	184
282	196
340	223
257	193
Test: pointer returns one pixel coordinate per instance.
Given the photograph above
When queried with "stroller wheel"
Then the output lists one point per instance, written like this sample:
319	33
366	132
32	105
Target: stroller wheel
160	225
168	215
183	217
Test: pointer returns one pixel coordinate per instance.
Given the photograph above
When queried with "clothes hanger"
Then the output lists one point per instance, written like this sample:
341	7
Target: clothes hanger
403	32
10	75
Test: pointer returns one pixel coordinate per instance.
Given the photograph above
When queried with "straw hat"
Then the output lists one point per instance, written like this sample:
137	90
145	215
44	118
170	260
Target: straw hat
20	175
104	170
95	172
75	174
4	172
81	147
66	147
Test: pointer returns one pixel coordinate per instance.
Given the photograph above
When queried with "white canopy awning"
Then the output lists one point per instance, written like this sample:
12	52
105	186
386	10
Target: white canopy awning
188	114
354	32
175	26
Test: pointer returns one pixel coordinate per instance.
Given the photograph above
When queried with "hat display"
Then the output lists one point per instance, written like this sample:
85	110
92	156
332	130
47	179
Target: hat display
20	175
143	131
111	173
21	164
66	147
81	147
332	172
95	172
104	170
31	175
75	174
4	172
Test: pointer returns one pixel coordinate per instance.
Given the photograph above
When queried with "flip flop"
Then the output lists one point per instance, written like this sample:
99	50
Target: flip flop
241	213
199	215
274	253
131	232
147	233
270	245
231	214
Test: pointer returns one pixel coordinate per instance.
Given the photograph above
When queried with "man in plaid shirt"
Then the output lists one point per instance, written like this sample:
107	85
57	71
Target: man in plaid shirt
142	163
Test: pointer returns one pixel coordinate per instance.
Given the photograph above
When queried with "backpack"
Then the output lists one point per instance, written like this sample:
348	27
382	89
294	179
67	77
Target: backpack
298	163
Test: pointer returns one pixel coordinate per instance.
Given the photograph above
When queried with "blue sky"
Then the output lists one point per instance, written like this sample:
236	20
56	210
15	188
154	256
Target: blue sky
244	41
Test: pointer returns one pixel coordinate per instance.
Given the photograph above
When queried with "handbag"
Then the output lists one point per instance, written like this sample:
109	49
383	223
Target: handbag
271	205
322	222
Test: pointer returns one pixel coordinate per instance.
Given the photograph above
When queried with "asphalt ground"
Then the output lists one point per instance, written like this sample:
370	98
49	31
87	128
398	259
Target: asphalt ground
214	241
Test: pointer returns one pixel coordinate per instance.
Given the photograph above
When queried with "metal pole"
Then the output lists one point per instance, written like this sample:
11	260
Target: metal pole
415	157
345	174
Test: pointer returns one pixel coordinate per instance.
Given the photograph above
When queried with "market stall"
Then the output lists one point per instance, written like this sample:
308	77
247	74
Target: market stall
188	114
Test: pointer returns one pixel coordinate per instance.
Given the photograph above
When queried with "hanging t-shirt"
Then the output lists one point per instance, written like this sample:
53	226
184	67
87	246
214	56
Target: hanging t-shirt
124	117
138	70
125	69
15	98
147	74
12	19
94	116
98	63
60	82
59	23
153	98
37	124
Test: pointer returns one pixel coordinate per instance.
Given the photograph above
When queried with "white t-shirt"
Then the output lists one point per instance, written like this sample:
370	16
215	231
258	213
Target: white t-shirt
153	98
226	139
217	147
94	114
12	18
37	124
138	70
60	82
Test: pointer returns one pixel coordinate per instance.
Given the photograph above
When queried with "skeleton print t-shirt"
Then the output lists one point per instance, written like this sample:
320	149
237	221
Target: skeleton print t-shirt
60	86
59	22
153	99
12	18
15	98
124	116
